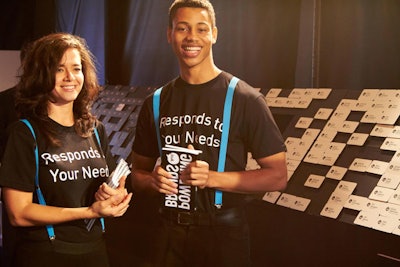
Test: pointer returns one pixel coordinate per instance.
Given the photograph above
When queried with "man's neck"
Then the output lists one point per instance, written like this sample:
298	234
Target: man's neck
198	75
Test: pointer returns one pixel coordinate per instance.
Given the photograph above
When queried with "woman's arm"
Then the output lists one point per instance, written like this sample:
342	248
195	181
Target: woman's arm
23	212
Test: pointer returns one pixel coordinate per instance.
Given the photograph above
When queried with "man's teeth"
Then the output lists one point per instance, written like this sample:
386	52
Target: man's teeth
191	48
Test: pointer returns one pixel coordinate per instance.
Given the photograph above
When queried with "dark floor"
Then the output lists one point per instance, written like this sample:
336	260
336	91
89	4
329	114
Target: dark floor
129	237
280	237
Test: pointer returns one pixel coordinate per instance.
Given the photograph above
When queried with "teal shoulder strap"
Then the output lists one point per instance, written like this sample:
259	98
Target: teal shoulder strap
156	114
226	120
49	228
96	133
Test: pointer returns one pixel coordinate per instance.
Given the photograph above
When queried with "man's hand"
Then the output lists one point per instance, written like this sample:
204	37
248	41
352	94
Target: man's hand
161	181
196	173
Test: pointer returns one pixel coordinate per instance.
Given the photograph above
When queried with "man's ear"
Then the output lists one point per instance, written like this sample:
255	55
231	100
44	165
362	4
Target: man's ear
169	34
215	34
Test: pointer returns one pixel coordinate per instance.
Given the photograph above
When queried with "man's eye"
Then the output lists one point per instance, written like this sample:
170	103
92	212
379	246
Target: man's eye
181	29
203	30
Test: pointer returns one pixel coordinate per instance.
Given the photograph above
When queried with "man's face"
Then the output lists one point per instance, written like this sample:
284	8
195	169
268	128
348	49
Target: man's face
192	36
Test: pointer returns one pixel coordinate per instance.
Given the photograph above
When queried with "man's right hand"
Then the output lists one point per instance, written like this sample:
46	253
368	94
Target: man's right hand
161	181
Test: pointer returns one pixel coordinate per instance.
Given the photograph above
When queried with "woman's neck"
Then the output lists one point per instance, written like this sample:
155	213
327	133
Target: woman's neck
63	115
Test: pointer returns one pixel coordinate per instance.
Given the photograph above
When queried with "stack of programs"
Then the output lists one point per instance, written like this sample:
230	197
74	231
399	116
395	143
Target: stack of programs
121	170
174	160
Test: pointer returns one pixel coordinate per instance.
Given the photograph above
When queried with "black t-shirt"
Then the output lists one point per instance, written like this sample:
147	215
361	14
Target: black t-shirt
193	114
69	175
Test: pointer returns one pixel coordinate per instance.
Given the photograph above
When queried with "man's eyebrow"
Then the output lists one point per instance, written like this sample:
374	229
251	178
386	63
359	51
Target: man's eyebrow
188	24
182	22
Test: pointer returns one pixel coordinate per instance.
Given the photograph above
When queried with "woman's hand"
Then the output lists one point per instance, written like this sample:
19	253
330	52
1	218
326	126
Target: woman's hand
105	192
114	206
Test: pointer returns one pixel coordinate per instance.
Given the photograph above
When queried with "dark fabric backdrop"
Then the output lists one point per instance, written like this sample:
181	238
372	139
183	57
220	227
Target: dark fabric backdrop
360	44
269	43
86	19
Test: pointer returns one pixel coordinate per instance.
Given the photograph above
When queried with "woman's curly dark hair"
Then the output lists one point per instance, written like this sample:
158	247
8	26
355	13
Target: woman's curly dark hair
37	81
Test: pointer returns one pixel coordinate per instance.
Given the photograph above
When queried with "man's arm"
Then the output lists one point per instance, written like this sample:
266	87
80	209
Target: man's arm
272	176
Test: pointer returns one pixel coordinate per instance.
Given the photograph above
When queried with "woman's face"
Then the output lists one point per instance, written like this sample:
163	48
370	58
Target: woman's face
69	78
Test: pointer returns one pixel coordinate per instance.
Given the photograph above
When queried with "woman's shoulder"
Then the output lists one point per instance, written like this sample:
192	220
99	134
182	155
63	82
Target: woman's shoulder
24	132
100	128
23	125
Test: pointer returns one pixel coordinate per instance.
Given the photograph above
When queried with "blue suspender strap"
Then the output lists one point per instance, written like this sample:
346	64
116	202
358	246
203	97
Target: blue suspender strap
225	134
49	228
156	112
96	133
36	151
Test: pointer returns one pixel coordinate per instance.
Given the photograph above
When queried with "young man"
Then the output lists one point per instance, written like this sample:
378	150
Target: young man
191	114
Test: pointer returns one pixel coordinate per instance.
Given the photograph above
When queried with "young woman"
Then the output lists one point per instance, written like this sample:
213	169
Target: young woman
55	92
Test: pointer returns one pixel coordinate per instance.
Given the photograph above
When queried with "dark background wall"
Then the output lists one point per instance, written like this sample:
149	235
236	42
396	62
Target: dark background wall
269	43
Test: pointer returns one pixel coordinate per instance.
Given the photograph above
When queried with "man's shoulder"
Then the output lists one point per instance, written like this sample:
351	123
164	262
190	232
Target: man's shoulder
245	89
242	84
165	87
170	83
